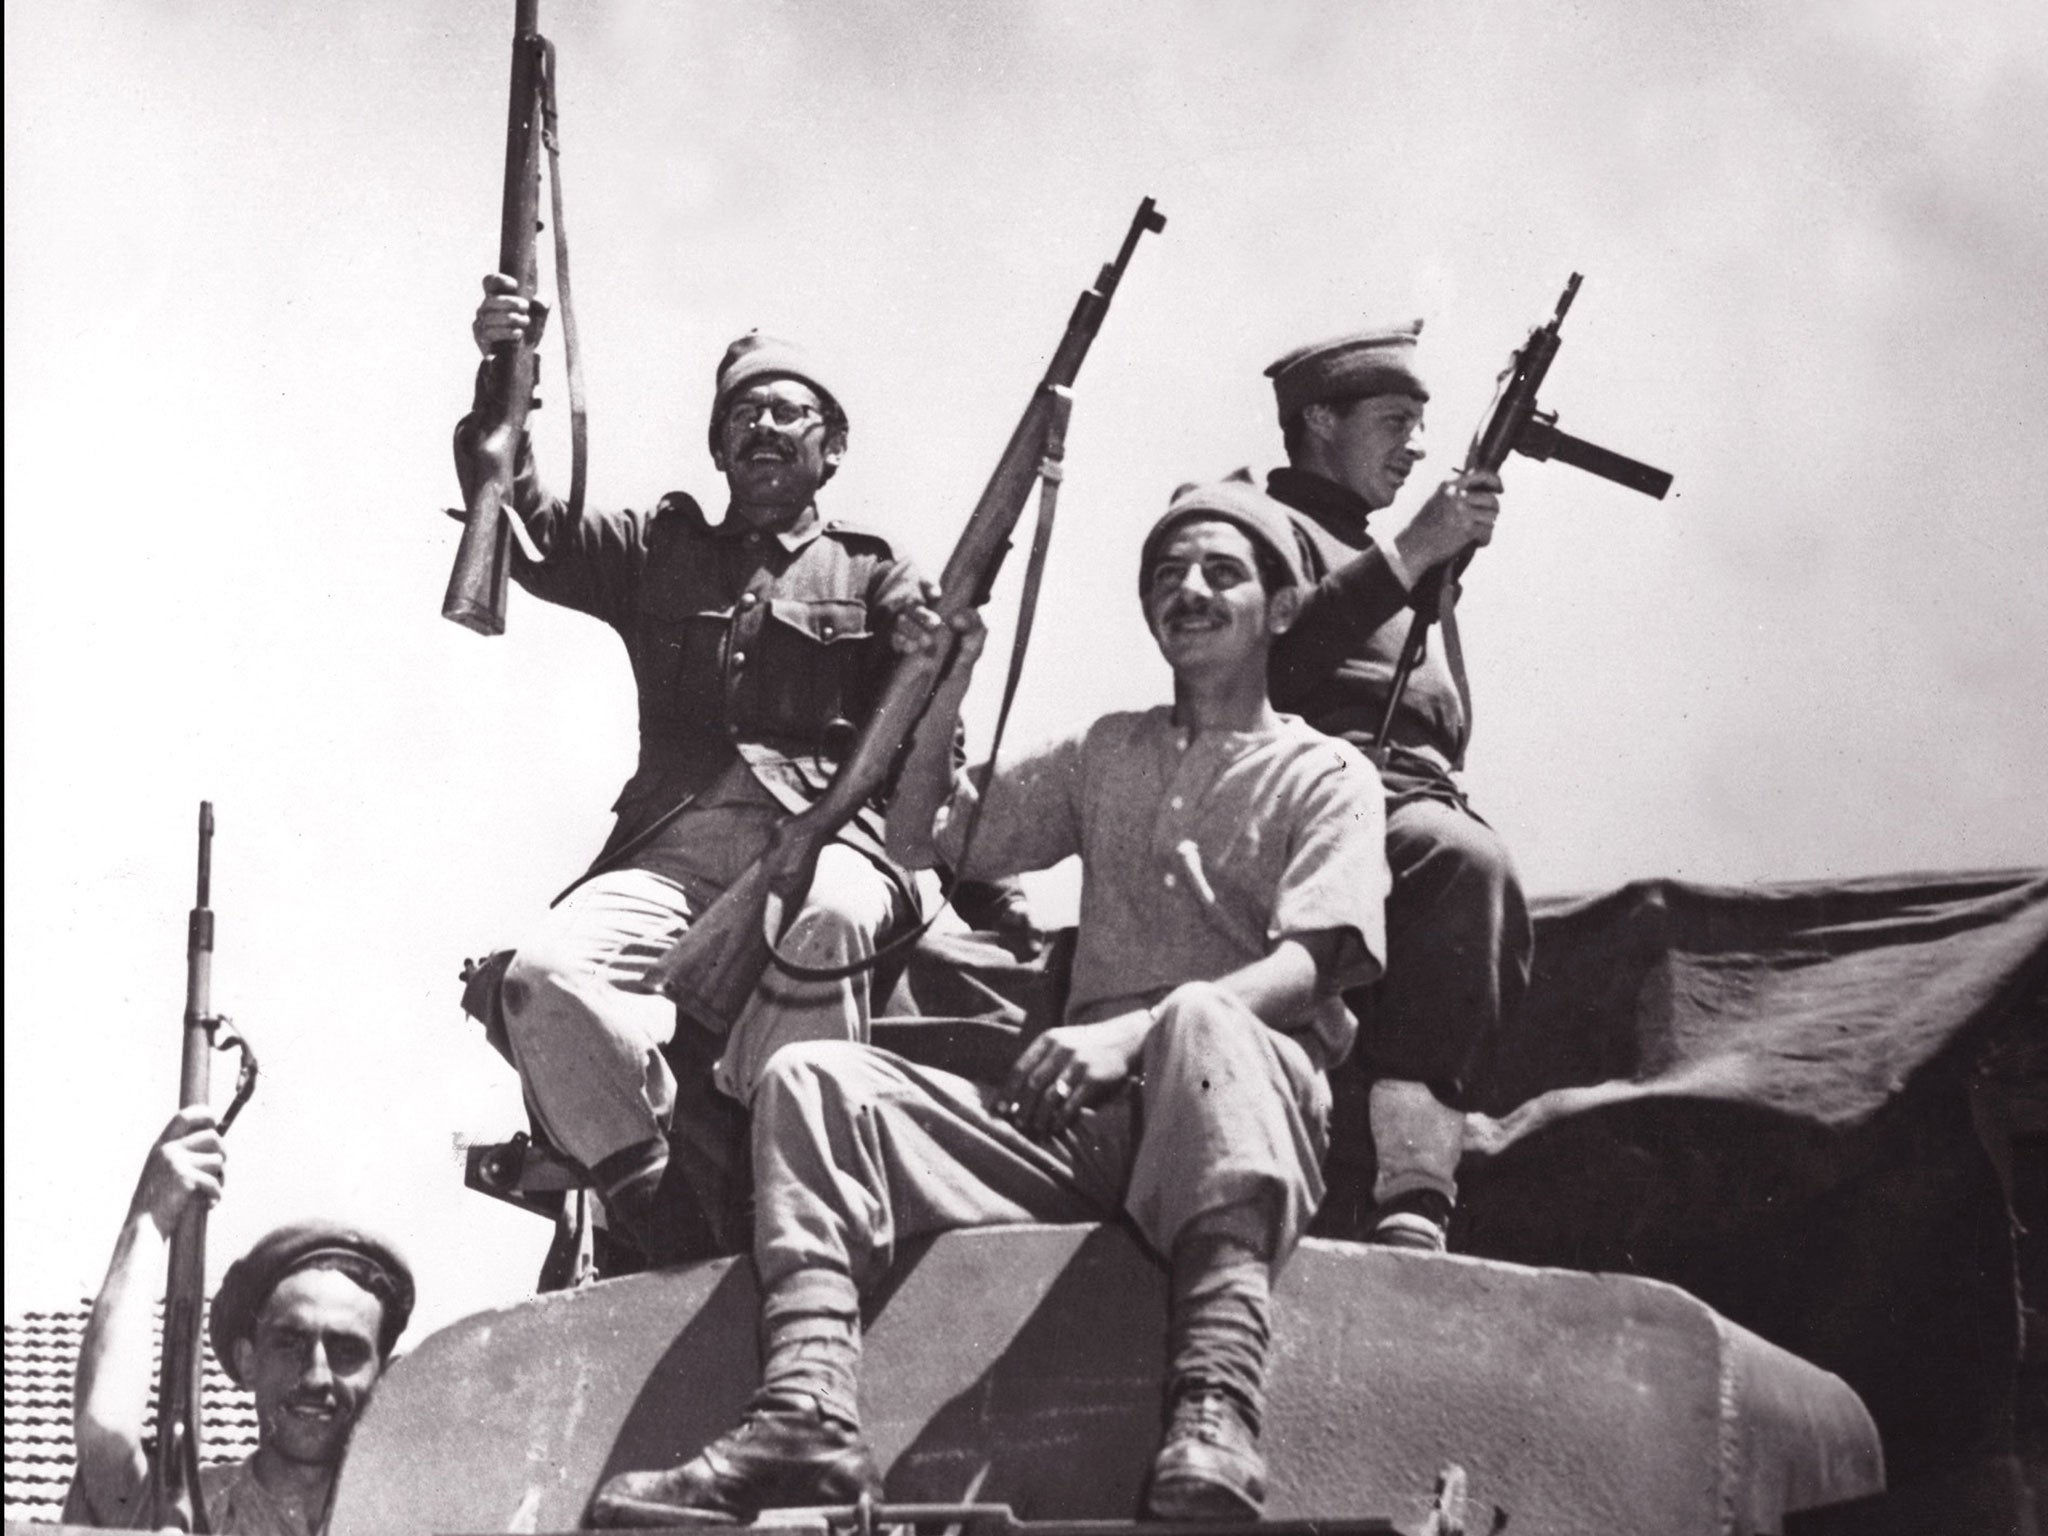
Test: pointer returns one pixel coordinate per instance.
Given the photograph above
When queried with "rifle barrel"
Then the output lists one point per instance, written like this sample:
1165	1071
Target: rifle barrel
1564	301
1147	218
475	598
175	1471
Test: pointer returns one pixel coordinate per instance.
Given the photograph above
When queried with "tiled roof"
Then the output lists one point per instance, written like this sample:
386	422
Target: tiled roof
42	1352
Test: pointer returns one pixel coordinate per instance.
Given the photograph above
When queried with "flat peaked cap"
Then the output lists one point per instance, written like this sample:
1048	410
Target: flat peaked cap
1377	361
1233	500
247	1285
755	357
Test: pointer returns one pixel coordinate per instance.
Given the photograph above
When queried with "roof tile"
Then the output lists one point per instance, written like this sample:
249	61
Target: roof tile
41	1354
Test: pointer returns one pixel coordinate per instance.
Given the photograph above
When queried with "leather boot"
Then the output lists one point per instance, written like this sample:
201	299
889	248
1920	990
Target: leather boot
1208	1466
778	1457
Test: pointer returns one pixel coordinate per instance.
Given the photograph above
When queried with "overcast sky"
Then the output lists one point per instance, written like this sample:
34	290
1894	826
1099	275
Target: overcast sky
243	242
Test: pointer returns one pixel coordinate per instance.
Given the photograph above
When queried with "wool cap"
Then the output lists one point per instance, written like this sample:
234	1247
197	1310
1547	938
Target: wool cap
1378	361
246	1287
755	357
1234	500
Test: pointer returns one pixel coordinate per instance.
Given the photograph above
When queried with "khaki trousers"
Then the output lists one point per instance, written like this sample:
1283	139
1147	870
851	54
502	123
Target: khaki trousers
856	1151
587	1032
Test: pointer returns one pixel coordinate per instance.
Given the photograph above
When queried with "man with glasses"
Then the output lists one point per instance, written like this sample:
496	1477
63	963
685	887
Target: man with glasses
759	644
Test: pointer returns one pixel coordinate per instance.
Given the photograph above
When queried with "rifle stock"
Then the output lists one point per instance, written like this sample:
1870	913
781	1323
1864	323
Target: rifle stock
476	586
713	969
175	1471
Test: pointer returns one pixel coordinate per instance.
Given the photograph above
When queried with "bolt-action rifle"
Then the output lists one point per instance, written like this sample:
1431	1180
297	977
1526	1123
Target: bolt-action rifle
476	586
714	968
1515	425
175	1471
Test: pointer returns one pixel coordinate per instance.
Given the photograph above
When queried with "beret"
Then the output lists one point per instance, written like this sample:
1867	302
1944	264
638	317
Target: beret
246	1287
1378	361
1233	500
755	357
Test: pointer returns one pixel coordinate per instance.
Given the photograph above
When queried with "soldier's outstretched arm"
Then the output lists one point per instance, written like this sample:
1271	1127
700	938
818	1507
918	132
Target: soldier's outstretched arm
116	1359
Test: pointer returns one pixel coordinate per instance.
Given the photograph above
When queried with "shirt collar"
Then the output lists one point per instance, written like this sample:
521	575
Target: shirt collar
1334	506
793	538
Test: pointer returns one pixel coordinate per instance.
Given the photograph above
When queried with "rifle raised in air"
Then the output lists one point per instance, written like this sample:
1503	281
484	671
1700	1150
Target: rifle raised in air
476	586
1515	425
714	968
175	1470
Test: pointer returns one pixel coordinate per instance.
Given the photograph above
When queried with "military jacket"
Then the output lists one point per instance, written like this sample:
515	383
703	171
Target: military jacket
773	647
1335	665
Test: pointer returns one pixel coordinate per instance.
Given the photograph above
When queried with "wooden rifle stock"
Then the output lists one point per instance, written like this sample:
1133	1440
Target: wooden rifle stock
175	1471
714	968
476	586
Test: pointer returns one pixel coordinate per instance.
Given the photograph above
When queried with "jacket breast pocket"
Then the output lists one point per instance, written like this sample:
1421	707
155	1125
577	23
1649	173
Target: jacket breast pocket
815	661
677	661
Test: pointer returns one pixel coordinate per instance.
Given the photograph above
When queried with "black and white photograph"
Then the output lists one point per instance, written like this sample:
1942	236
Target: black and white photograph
1022	767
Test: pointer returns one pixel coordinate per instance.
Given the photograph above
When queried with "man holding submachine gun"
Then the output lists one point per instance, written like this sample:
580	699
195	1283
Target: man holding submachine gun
1357	664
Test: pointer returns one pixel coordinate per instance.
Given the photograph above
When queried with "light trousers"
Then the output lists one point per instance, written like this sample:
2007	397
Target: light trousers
587	1031
856	1151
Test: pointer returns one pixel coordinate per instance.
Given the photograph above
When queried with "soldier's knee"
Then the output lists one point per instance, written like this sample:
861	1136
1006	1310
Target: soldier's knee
1476	851
535	970
804	1066
1199	1013
848	896
1448	855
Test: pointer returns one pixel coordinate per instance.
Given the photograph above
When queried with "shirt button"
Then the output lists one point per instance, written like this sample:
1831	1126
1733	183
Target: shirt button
1176	802
826	630
1171	881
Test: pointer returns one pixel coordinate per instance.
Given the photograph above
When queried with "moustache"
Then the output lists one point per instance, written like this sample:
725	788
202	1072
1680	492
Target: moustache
1186	608
765	440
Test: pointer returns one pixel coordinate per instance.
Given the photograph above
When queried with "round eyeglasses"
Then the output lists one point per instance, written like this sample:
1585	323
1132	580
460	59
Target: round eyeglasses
744	414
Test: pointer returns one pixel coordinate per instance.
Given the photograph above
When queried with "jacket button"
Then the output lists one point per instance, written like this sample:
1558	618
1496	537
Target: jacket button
739	659
749	599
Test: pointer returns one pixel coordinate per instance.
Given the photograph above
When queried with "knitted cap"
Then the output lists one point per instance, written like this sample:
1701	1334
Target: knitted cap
1380	361
1236	501
755	357
245	1289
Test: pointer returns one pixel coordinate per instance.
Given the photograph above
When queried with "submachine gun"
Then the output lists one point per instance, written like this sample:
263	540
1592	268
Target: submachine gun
714	968
174	1473
1515	425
